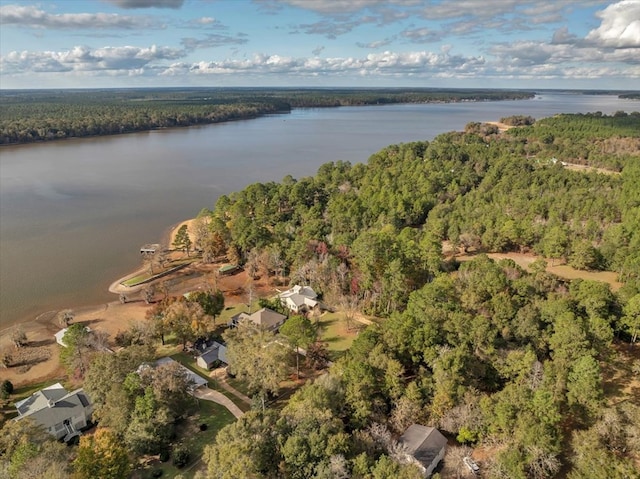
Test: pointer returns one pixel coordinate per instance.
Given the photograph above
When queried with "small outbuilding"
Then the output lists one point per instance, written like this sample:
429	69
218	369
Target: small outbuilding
214	355
425	446
228	269
149	249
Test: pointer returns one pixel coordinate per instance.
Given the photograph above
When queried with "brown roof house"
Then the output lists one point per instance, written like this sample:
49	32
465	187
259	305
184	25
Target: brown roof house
425	446
299	298
264	318
63	414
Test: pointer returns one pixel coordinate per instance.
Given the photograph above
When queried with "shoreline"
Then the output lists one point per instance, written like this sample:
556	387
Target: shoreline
256	116
166	238
111	317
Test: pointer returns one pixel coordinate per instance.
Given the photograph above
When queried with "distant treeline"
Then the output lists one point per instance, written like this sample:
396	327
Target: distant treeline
630	96
43	115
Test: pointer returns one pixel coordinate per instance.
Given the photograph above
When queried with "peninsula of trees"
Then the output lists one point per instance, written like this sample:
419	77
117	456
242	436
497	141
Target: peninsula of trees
43	115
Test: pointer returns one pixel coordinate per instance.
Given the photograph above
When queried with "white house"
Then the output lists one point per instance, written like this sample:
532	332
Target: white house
425	447
299	298
63	414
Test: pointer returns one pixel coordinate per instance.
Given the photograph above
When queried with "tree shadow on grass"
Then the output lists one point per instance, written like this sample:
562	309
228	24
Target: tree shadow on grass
42	342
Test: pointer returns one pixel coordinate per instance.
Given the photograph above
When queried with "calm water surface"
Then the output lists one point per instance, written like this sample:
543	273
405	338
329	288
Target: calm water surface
73	214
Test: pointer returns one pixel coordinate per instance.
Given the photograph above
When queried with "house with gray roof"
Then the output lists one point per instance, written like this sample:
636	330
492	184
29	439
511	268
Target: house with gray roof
61	413
425	446
299	298
213	355
264	318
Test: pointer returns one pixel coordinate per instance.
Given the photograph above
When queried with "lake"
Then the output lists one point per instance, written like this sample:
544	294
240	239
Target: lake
74	213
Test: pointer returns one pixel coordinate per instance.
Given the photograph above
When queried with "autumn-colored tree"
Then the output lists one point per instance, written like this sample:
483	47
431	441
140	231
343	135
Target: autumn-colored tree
187	320
101	455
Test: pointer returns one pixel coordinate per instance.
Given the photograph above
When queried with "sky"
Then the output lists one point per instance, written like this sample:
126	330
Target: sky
320	43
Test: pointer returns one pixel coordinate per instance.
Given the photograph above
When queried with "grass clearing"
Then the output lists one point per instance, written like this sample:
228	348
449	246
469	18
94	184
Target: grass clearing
333	331
562	270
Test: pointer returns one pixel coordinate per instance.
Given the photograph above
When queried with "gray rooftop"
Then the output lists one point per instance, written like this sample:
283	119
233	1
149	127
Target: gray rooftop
52	405
424	443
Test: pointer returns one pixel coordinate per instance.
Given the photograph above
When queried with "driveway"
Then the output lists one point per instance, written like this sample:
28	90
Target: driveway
207	394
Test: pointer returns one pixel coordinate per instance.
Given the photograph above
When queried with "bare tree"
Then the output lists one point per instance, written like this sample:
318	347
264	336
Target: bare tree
65	317
454	467
350	306
148	293
19	337
163	287
6	360
252	264
542	464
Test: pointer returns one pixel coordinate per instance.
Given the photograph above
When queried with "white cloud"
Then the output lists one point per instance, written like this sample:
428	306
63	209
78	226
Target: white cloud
620	27
528	54
383	64
212	40
346	6
451	9
175	4
34	17
422	35
205	20
85	59
376	44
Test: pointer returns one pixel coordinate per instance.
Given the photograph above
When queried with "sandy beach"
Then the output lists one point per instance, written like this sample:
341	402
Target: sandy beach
111	317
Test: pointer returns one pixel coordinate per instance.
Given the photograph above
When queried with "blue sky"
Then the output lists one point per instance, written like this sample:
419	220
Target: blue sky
324	43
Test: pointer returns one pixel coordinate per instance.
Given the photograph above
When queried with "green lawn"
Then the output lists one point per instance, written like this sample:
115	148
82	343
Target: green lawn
333	331
136	279
230	311
146	275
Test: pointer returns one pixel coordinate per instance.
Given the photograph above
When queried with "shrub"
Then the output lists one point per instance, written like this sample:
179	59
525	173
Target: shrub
6	388
180	457
203	427
157	473
164	455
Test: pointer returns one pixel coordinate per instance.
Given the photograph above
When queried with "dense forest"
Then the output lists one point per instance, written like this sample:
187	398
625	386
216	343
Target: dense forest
385	221
494	355
43	115
517	363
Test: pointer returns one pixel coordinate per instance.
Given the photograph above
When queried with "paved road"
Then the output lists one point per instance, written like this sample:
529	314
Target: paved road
217	397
